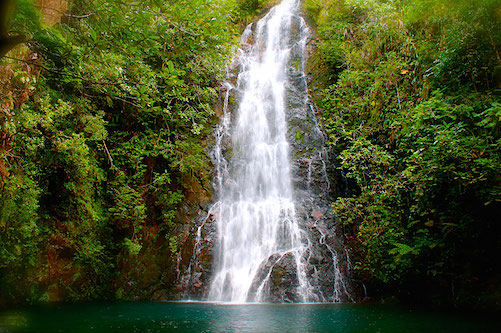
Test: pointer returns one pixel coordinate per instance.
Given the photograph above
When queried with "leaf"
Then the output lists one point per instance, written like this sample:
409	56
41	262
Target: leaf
109	101
93	35
401	249
170	65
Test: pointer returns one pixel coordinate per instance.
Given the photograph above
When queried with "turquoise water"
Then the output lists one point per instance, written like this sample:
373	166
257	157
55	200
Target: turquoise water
205	317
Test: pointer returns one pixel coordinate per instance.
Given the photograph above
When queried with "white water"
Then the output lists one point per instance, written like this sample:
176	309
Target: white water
256	219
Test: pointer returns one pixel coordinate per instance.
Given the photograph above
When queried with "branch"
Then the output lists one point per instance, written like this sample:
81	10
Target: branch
109	155
9	42
126	101
79	16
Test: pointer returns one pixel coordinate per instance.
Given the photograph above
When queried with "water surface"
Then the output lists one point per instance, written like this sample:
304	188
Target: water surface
207	317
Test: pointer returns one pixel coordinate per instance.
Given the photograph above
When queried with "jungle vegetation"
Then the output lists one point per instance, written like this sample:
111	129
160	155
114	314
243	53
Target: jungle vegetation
104	131
106	120
410	97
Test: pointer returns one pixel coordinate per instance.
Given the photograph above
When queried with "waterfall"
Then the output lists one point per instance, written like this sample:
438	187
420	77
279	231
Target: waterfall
265	231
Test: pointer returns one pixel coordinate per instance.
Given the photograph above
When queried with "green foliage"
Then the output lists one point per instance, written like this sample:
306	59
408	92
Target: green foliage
25	17
111	141
19	239
469	40
425	166
247	10
132	247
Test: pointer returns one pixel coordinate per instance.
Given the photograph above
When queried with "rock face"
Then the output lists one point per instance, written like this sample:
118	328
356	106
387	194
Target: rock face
195	258
313	168
324	262
52	10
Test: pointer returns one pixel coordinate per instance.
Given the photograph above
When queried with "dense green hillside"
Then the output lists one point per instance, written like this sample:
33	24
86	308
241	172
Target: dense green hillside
410	93
104	147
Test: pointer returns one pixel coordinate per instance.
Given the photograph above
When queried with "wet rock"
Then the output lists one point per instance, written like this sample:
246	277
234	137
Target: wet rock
312	170
326	262
195	259
284	281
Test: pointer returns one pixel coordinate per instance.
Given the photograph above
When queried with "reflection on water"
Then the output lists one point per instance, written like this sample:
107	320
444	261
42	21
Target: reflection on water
13	319
264	318
207	317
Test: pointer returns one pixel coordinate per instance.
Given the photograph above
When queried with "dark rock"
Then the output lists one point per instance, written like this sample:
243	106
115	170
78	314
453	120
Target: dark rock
316	183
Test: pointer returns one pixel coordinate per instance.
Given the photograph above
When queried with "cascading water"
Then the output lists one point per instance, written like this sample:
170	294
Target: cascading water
256	218
275	241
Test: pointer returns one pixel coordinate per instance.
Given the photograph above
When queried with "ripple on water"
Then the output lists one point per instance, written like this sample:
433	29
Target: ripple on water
220	317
